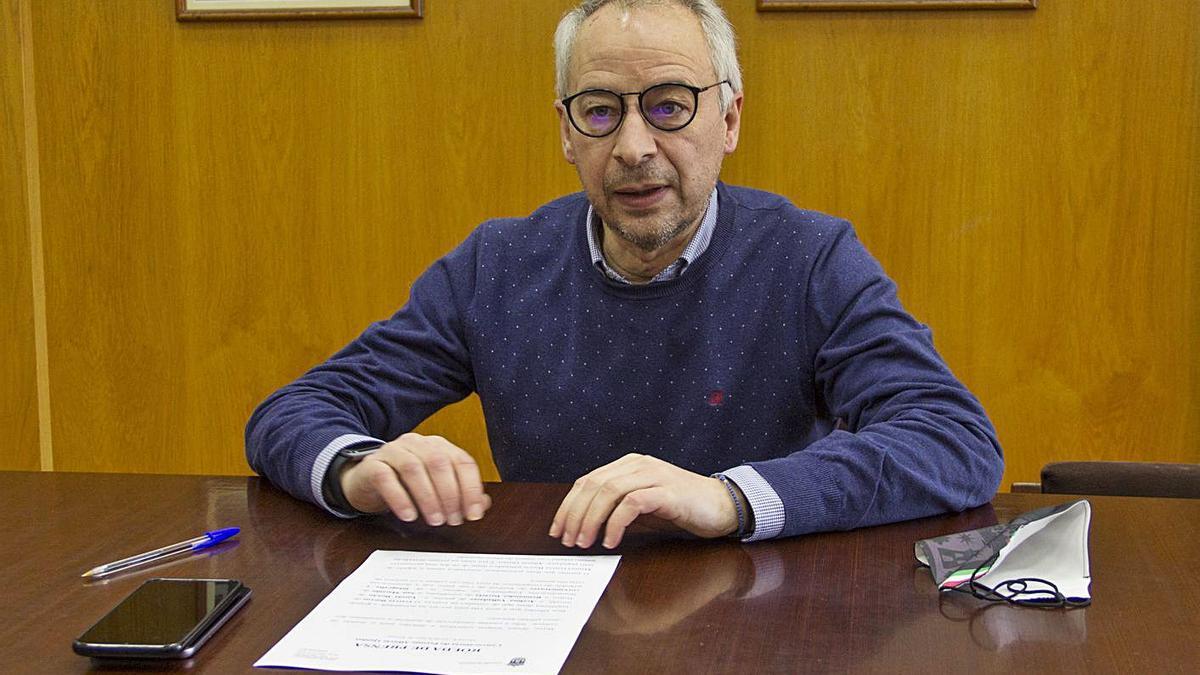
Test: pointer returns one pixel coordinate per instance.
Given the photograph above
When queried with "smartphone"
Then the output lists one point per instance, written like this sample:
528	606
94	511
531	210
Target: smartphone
164	618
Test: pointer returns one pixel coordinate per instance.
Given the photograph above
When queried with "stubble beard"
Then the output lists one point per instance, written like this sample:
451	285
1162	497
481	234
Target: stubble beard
648	237
651	239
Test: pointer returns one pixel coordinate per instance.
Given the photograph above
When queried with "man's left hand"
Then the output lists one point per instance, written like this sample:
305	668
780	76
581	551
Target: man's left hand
639	485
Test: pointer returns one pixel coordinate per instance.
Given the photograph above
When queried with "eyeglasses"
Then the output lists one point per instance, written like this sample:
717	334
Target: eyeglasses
670	107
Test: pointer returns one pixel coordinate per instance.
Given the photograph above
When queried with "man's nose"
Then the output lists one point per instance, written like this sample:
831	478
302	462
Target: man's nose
635	141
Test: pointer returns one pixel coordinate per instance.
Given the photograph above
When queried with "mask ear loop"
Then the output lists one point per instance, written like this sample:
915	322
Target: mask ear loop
1016	591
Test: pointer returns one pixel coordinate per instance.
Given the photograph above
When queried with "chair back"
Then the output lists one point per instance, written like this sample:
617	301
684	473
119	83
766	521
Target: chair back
1131	479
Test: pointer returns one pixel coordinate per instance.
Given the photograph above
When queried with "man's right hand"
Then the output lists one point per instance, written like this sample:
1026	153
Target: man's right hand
417	475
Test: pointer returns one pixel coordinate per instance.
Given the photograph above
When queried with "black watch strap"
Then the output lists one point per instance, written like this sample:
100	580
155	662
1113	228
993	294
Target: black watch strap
331	487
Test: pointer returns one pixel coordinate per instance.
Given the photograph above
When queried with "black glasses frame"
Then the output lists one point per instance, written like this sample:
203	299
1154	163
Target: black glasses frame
641	95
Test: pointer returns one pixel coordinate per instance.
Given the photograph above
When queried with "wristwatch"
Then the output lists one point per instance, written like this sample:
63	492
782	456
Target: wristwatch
331	485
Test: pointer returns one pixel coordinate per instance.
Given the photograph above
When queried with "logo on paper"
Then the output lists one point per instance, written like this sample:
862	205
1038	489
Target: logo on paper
517	661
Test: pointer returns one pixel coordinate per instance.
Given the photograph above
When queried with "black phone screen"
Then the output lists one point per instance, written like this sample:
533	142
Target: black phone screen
165	613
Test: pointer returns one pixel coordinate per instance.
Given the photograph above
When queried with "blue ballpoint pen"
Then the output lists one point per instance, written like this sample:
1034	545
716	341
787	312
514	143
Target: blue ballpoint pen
190	546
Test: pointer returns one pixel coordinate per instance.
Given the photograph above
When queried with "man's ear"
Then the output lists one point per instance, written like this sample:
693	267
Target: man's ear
733	122
564	132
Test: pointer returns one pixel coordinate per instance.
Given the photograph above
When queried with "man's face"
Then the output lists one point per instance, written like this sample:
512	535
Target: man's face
648	185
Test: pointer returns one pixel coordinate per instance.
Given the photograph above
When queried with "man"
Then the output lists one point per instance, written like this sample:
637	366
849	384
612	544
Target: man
675	346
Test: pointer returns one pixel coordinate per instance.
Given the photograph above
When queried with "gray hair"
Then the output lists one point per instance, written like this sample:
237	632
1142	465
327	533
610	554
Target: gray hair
718	33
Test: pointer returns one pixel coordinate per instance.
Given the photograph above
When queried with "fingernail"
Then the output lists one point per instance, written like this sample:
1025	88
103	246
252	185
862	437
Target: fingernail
475	512
456	519
566	542
408	515
436	519
581	541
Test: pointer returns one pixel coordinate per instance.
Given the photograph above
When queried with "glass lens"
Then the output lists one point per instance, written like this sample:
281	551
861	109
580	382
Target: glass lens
669	106
596	112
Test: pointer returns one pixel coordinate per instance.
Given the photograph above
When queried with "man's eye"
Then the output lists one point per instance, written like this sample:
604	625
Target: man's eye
666	109
600	113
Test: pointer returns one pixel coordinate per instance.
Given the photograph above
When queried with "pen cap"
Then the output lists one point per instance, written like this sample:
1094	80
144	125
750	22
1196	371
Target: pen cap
216	536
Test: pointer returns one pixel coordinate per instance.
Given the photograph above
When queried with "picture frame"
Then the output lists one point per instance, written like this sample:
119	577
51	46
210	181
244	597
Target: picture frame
258	10
859	5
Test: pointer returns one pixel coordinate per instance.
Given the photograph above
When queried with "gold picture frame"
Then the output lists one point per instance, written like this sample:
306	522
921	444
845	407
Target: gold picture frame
841	5
257	10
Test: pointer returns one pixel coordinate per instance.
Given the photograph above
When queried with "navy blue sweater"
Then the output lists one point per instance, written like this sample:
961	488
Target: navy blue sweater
783	324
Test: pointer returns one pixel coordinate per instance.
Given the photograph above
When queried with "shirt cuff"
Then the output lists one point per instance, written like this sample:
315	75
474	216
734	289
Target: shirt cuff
321	467
764	502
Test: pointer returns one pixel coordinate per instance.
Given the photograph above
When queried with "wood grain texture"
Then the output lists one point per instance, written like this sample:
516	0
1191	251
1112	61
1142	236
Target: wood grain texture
255	196
226	204
837	602
1031	181
18	370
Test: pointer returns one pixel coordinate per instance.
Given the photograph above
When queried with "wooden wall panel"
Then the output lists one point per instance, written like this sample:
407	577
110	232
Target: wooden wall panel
226	204
1030	180
18	379
231	202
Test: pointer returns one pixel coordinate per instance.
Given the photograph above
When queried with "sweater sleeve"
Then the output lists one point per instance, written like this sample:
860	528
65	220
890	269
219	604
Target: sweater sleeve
917	442
381	385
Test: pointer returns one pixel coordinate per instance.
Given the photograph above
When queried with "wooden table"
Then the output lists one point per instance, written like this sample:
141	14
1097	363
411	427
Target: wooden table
841	601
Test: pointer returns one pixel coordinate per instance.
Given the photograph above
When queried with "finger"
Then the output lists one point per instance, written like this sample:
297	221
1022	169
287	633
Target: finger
471	486
579	494
558	527
556	524
599	496
611	496
637	503
415	479
613	493
590	488
577	502
386	484
440	468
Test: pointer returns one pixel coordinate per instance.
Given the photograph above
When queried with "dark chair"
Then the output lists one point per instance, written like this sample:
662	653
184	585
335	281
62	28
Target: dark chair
1130	479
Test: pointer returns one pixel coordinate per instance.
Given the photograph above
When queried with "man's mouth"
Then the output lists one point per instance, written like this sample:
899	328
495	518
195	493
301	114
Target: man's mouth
640	196
640	189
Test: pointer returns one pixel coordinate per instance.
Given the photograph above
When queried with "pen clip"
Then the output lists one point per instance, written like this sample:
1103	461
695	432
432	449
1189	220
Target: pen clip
215	537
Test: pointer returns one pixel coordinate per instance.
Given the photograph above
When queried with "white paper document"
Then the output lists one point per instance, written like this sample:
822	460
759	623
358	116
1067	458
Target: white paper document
449	613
